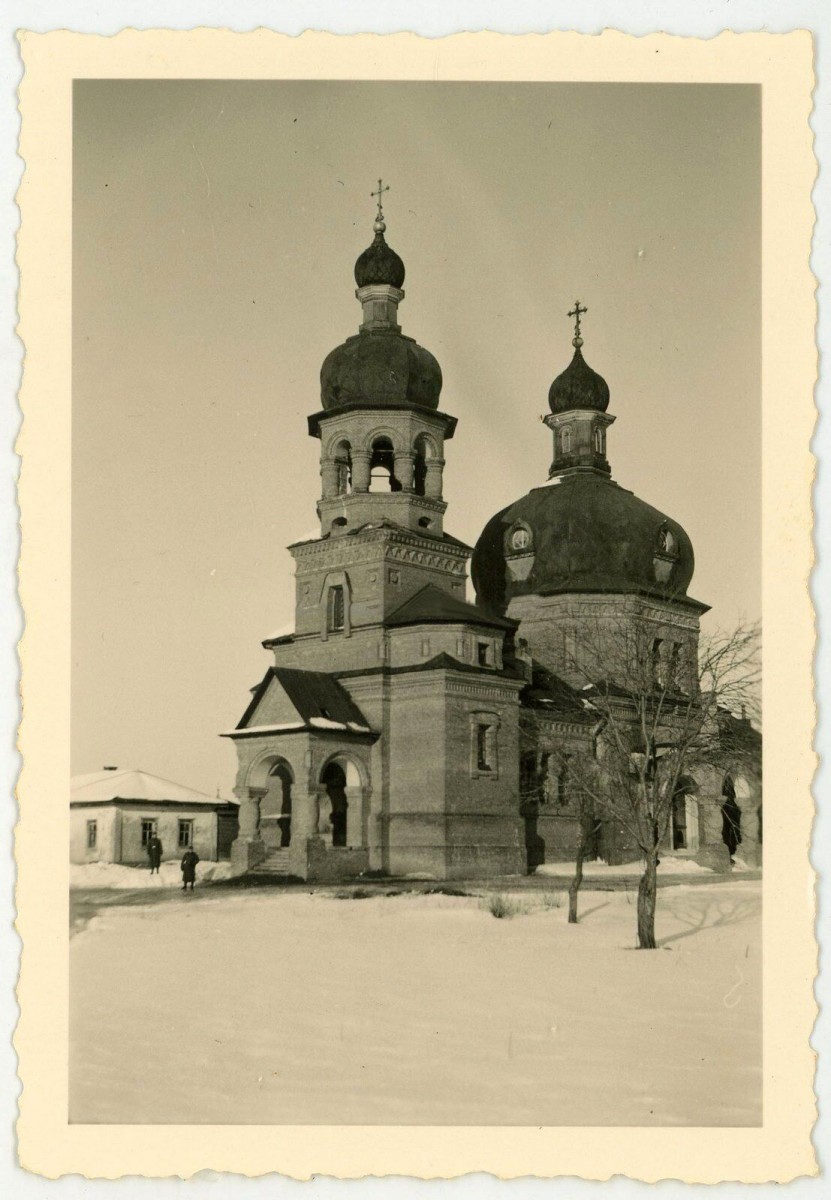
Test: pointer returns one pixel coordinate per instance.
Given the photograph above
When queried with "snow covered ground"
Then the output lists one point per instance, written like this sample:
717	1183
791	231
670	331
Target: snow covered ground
114	875
287	1007
602	870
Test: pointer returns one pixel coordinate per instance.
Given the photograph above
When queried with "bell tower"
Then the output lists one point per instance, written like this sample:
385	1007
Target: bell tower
381	436
382	439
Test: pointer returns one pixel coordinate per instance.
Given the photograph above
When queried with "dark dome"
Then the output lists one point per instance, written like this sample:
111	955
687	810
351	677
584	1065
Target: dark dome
379	264
578	387
380	367
586	535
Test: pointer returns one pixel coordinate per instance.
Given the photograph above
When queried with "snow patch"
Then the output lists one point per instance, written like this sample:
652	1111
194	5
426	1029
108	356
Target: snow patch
601	870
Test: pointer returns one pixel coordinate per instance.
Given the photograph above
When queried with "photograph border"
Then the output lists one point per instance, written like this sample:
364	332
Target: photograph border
781	1148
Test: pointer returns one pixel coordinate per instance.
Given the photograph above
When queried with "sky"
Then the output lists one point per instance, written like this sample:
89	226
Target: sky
216	225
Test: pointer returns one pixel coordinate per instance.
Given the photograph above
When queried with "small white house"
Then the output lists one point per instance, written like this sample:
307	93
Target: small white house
115	812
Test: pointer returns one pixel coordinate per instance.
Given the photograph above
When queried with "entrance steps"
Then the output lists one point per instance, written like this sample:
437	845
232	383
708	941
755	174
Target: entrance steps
275	866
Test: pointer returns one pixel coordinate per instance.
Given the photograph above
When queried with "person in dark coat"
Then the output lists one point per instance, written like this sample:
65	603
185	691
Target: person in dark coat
731	818
154	853
189	860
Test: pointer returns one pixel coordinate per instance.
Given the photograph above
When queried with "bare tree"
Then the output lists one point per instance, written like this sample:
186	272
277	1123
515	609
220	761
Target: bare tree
656	718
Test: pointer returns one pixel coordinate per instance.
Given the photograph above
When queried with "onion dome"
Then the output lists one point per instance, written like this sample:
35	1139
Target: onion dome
379	263
578	387
380	368
581	533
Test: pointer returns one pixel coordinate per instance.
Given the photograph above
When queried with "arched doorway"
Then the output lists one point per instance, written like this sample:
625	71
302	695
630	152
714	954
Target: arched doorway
334	785
342	793
275	806
684	825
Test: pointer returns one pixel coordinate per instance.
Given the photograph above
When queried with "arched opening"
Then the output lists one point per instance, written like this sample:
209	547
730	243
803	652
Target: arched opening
334	783
424	450
684	824
599	440
565	441
342	455
382	476
275	806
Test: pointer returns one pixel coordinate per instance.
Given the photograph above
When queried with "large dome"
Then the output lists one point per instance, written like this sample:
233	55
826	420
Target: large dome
580	533
382	368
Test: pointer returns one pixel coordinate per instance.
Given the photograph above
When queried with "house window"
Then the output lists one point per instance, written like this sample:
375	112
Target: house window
148	830
185	835
335	610
483	748
92	835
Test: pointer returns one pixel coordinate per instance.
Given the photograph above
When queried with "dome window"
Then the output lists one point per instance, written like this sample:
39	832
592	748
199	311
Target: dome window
667	542
520	539
599	438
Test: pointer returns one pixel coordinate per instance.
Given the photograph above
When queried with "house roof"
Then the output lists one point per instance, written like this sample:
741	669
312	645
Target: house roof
321	704
432	606
102	787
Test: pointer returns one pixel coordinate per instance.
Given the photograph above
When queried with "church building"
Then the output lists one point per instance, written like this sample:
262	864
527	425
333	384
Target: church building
403	729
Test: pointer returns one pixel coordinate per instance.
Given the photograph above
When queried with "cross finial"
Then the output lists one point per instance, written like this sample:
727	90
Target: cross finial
379	219
577	313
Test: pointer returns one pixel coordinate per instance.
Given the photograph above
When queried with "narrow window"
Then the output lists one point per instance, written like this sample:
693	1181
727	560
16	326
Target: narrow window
562	783
565	441
598	440
483	748
483	654
148	830
185	835
334	621
92	835
656	659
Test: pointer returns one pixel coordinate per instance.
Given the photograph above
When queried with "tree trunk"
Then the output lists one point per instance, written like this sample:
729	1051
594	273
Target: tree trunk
575	883
647	889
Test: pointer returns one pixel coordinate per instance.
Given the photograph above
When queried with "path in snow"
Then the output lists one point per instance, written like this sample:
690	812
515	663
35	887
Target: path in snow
295	1008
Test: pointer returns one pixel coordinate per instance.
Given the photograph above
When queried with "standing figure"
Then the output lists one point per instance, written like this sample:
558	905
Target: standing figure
154	853
731	819
189	860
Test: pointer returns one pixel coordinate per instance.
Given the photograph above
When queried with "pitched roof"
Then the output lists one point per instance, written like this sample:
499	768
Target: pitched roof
321	703
432	606
100	787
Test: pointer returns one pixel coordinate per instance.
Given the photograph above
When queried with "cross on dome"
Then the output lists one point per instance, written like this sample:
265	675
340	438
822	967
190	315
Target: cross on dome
577	313
379	225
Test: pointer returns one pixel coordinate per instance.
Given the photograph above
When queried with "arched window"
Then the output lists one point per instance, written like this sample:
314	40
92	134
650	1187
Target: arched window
335	609
599	440
342	455
565	441
382	467
666	541
424	450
